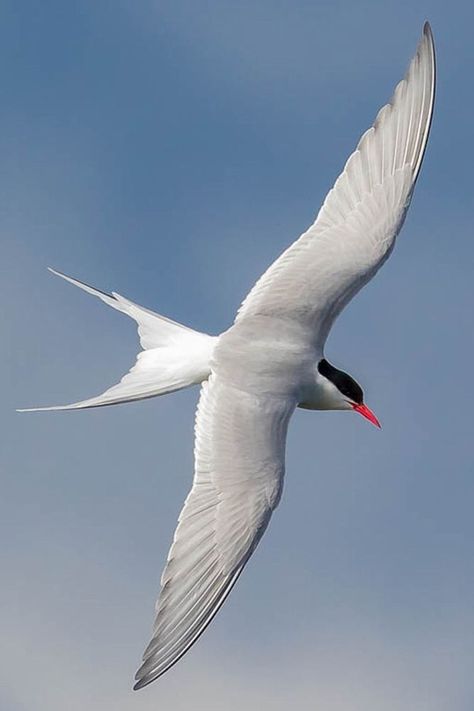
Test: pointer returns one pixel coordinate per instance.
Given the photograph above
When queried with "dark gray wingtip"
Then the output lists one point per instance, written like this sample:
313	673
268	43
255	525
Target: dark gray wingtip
141	683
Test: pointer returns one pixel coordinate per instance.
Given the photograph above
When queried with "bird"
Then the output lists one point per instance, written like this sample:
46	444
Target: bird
269	362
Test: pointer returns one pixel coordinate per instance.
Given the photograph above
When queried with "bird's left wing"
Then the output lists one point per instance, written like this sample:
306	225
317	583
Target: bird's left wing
356	227
239	466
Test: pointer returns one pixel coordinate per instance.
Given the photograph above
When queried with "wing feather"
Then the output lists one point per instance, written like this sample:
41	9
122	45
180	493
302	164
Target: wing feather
239	453
356	227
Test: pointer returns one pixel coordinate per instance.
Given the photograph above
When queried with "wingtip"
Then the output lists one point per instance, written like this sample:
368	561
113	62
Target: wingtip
140	679
428	36
140	683
144	677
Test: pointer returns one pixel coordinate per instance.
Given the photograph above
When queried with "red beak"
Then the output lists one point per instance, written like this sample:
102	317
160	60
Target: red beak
367	413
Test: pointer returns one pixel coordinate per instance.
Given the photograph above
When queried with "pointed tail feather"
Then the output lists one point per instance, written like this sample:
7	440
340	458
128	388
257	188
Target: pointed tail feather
174	356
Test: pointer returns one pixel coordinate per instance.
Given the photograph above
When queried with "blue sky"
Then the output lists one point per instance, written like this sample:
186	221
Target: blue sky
170	151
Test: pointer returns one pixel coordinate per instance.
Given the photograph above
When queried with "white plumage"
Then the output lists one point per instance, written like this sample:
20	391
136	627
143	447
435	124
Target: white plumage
266	364
356	227
239	454
173	356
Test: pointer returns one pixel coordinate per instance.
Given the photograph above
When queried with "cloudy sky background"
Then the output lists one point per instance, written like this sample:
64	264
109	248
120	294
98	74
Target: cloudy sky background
170	151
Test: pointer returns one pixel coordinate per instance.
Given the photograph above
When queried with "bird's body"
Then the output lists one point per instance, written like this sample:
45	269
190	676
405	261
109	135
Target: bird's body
270	361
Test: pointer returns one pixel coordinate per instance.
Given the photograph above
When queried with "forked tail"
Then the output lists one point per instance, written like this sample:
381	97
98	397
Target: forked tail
173	356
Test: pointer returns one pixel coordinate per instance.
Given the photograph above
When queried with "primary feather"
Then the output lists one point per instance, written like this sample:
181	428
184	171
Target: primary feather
239	464
356	227
259	366
265	365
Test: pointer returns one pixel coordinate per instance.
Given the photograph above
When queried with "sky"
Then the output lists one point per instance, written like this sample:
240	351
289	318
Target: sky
170	151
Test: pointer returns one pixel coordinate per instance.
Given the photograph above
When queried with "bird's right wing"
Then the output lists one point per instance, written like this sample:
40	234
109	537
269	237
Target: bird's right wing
239	454
355	229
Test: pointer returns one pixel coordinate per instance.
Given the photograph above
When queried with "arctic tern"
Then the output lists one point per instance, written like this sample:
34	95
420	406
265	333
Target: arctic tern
270	361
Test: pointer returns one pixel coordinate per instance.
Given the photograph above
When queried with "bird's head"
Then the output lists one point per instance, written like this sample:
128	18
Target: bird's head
341	392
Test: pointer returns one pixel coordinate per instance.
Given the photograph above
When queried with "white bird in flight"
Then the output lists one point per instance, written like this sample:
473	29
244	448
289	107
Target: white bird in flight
270	361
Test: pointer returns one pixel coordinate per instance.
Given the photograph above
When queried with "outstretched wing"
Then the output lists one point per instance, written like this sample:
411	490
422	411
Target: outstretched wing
356	227
239	453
